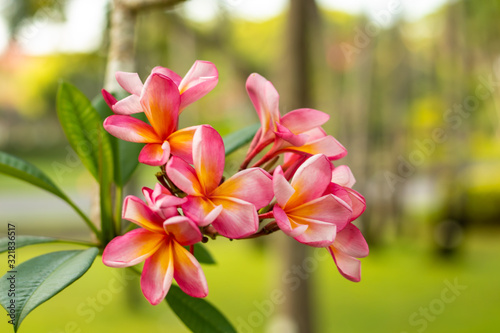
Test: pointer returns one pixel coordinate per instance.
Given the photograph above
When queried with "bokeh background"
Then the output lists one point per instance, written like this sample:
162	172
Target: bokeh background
413	91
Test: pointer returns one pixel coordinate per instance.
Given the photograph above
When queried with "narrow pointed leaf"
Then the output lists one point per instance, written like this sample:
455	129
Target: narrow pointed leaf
22	241
197	314
239	138
83	128
20	169
39	279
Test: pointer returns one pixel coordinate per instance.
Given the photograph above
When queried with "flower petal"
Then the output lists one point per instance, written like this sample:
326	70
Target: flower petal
303	120
201	78
168	73
343	176
160	99
349	267
252	185
311	180
129	105
131	82
208	157
327	145
183	176
132	248
136	211
158	273
108	98
285	224
287	135
351	242
317	234
130	129
358	203
201	210
328	209
265	99
181	143
282	188
161	201
237	219
155	154
183	229
188	273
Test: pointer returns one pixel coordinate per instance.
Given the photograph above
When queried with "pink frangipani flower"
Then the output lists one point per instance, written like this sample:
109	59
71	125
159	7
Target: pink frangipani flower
231	206
160	101
160	242
302	210
297	131
201	78
161	201
349	245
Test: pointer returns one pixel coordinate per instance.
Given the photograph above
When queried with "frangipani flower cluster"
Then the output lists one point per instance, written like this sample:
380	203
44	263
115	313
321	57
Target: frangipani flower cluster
306	196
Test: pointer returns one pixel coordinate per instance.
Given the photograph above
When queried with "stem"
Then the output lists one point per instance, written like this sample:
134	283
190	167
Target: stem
118	210
268	229
85	218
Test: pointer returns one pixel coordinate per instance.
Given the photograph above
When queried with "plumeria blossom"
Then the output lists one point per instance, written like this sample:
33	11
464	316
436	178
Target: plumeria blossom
342	181
303	211
297	131
201	78
161	201
160	100
349	245
231	207
160	243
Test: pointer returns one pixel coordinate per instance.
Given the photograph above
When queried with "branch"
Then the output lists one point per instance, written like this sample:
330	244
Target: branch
147	4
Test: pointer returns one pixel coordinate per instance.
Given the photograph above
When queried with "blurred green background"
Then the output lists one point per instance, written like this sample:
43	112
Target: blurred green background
413	92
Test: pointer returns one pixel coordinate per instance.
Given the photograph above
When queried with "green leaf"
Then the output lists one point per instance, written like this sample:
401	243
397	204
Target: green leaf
201	254
40	278
197	314
22	241
125	154
20	169
239	138
83	128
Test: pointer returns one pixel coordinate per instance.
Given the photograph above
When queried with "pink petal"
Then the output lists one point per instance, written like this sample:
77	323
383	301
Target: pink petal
327	145
285	224
161	201
188	273
252	185
265	99
184	230
339	192
132	248
168	73
311	180
130	129
317	234
343	176
358	203
201	210
201	78
349	267
158	273
128	105
181	143
108	98
351	242
160	99
155	154
131	82
208	157
183	176
303	120
326	209
237	219
136	211
282	188
294	139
